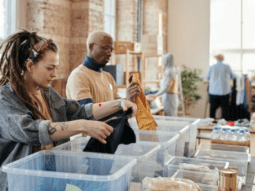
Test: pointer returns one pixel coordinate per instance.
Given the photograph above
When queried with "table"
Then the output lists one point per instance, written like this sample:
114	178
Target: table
201	130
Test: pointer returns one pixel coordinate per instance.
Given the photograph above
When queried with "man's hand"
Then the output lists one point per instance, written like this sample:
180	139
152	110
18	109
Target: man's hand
133	91
151	97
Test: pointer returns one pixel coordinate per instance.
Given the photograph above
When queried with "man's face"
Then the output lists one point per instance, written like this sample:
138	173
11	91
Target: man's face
102	50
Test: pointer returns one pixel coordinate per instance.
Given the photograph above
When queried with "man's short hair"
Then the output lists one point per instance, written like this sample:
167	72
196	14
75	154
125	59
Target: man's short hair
219	57
95	37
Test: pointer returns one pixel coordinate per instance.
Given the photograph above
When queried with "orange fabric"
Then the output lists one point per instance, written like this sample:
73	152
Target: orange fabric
144	118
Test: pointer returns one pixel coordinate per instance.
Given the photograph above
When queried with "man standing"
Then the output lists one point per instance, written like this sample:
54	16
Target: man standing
88	83
219	76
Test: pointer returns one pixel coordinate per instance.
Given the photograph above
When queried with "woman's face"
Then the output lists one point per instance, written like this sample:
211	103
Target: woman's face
43	72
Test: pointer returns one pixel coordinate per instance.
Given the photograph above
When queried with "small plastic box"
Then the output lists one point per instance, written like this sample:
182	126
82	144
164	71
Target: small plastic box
55	170
165	139
201	178
223	147
175	163
237	160
146	154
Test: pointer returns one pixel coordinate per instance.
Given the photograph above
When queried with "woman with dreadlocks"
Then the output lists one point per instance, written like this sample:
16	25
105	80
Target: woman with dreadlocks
33	115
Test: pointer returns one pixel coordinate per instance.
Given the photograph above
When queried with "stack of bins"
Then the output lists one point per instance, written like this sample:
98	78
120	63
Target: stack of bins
165	139
192	135
186	127
181	129
57	170
181	163
144	152
237	160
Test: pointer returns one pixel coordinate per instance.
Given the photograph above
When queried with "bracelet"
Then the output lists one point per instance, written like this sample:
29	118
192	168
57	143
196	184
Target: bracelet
120	100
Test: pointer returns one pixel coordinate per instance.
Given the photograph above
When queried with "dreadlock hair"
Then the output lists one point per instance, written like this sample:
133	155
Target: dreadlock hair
18	48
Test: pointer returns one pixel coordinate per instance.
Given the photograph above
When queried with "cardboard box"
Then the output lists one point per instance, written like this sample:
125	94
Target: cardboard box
121	47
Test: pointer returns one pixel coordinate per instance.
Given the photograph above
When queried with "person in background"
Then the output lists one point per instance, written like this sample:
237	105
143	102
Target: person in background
33	115
88	83
168	87
219	76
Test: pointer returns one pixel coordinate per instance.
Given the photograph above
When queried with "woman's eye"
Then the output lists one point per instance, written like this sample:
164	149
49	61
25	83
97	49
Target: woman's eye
50	68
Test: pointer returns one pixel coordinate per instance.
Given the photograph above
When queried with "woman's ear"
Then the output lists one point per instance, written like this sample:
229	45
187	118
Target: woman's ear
29	65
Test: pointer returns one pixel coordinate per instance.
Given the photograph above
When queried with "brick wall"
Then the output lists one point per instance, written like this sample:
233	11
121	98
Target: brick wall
68	23
126	25
151	10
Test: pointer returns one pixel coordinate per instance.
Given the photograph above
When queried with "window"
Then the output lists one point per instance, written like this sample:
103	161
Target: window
232	32
109	17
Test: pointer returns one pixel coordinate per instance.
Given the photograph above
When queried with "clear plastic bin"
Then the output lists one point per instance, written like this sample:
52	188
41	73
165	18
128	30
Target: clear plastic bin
146	154
237	160
201	178
55	170
191	122
176	163
165	139
183	130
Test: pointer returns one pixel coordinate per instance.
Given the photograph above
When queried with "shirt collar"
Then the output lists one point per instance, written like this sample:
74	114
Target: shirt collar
92	64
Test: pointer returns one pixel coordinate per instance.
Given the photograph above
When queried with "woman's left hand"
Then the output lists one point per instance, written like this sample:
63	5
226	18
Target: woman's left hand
125	104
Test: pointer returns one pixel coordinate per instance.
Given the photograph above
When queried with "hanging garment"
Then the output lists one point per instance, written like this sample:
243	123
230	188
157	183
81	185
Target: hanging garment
143	117
122	134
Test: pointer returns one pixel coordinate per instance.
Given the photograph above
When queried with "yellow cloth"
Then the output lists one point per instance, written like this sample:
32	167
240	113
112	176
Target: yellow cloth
84	83
144	118
44	108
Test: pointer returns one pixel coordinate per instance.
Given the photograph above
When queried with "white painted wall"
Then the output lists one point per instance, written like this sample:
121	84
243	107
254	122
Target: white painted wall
189	32
188	40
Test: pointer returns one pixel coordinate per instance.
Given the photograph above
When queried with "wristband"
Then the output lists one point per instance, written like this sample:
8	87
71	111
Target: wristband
120	100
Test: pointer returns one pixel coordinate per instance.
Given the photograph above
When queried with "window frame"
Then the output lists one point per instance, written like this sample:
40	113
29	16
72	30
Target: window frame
240	52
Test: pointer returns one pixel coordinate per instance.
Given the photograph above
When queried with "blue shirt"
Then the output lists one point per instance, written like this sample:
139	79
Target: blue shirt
219	76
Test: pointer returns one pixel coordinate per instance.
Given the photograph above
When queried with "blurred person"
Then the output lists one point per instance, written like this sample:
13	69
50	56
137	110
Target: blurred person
168	87
88	83
33	115
219	76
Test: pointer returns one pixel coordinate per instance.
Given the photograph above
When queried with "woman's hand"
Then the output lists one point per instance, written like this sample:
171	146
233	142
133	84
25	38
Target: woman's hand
125	104
151	97
97	129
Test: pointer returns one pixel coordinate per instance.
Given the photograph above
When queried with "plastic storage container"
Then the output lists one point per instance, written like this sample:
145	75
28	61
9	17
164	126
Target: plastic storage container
165	139
180	121
237	160
146	154
182	129
201	178
176	163
55	170
223	147
186	127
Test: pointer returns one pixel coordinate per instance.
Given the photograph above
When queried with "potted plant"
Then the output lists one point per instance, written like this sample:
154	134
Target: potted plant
190	79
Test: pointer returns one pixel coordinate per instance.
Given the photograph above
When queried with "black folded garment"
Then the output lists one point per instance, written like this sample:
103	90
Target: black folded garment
122	134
